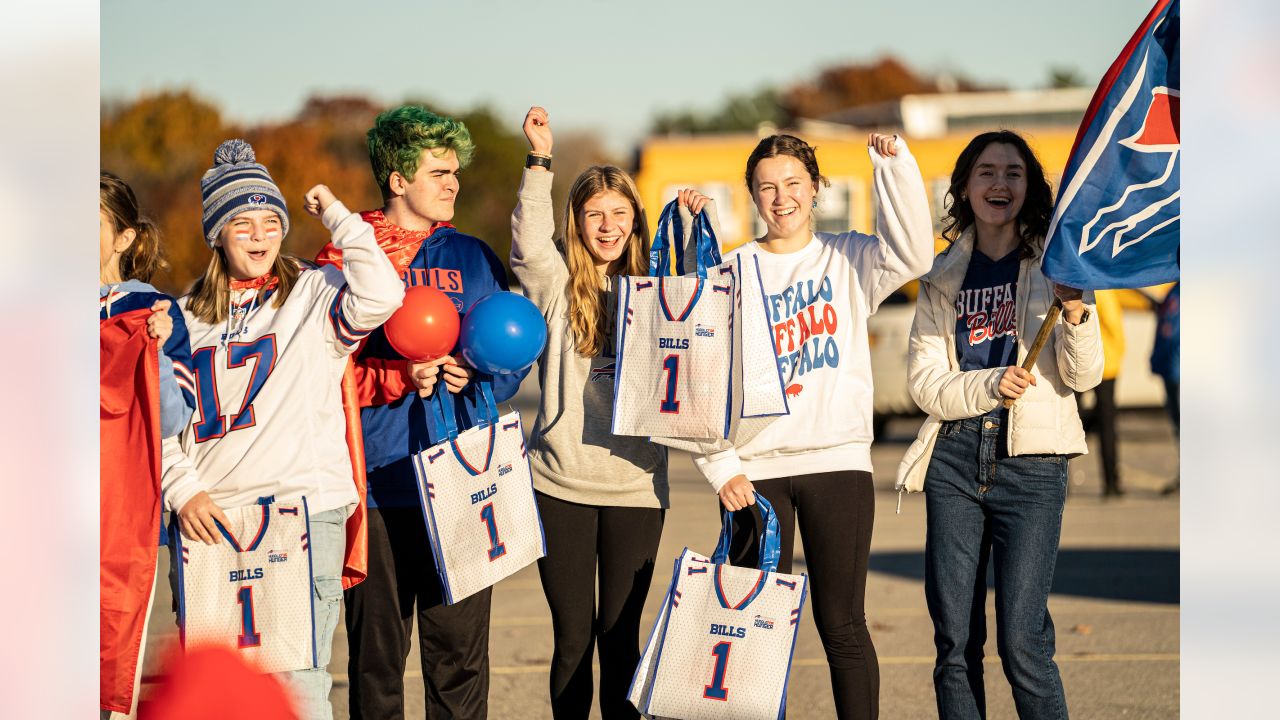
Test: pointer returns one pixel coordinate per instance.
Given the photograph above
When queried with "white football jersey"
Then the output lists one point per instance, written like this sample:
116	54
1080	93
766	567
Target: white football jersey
722	648
675	357
477	501
252	592
268	419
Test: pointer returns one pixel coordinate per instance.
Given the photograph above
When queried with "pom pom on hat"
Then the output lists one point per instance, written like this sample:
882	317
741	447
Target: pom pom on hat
237	183
231	152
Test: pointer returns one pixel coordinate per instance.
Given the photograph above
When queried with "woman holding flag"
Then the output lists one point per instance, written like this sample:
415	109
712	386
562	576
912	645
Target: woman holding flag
993	454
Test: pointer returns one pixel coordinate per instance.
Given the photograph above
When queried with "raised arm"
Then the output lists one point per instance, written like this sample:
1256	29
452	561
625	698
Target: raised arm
536	262
902	249
372	291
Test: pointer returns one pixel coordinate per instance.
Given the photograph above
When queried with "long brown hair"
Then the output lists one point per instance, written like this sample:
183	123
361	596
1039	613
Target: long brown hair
1037	208
210	296
145	256
586	302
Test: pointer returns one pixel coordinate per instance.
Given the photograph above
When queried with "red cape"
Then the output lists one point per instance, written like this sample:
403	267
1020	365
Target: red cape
129	415
361	384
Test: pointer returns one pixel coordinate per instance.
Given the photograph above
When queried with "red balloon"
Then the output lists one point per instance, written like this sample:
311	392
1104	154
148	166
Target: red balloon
426	325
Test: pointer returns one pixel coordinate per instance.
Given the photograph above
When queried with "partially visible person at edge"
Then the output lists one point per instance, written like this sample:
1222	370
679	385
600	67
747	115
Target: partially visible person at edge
602	497
995	480
815	463
129	254
1166	362
309	320
416	158
1103	417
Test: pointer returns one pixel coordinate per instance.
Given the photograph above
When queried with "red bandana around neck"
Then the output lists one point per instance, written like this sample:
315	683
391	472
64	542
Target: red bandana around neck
268	280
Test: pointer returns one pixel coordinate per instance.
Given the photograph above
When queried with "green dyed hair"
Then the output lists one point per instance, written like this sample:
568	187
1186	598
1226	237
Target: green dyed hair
399	136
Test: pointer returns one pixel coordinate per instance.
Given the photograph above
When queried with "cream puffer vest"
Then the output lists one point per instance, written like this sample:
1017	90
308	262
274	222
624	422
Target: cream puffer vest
1044	419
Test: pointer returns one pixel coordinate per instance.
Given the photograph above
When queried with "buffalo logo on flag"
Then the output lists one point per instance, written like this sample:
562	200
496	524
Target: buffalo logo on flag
1116	223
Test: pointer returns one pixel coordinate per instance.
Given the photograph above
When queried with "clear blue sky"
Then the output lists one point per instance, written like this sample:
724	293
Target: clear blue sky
607	66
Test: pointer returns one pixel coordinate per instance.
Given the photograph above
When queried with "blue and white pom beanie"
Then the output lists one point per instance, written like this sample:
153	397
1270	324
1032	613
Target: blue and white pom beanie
237	183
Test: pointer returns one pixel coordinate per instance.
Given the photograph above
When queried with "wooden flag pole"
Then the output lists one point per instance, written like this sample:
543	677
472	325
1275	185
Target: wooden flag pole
1042	337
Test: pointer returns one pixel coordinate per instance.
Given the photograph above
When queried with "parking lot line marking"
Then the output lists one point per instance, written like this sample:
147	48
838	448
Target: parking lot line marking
341	678
821	662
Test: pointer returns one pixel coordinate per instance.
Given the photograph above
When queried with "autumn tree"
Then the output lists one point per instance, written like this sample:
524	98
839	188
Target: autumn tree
845	86
835	88
161	144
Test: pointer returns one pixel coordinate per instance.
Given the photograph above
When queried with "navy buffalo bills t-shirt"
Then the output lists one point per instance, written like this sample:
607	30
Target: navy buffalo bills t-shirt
986	310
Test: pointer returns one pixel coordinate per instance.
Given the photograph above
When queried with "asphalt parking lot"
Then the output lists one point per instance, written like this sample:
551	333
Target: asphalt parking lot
1115	598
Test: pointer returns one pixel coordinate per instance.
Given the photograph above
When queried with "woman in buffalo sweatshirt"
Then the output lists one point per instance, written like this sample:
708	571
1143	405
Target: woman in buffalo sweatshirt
815	462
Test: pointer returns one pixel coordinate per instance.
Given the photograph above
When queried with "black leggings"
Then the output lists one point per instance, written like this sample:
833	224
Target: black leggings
836	511
620	543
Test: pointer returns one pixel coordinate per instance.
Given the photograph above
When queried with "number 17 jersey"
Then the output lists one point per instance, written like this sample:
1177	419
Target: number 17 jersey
675	351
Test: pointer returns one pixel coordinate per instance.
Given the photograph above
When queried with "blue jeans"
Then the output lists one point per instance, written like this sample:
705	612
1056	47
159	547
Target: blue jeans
310	688
984	505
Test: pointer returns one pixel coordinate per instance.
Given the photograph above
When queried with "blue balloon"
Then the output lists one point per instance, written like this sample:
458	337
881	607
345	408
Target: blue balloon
502	333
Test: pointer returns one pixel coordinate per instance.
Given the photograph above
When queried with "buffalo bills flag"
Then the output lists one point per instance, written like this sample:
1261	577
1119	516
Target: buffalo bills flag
1116	224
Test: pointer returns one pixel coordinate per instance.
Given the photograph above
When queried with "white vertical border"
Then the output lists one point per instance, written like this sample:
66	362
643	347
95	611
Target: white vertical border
1230	360
48	431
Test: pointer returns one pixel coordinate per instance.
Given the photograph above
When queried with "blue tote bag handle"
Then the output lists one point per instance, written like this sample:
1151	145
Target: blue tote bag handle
441	405
669	223
486	406
671	234
770	540
708	246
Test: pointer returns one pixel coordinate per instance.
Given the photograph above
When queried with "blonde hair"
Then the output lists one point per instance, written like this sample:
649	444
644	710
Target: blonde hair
586	302
211	294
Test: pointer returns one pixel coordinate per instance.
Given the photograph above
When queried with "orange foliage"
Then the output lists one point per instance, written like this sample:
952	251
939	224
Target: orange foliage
846	86
161	145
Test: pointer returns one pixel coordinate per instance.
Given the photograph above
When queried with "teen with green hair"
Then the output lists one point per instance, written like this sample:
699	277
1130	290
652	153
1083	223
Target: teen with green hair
416	156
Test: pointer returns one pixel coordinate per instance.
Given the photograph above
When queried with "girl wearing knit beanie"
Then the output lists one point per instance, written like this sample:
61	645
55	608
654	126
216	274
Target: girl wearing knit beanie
270	342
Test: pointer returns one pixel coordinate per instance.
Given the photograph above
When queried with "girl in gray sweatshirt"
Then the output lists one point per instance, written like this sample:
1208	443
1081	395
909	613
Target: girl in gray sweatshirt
602	497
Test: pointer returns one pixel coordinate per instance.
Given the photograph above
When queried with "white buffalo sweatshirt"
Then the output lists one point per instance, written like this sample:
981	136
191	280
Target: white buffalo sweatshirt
818	299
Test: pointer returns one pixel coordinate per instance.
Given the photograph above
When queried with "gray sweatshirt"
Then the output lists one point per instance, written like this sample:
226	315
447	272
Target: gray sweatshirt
573	455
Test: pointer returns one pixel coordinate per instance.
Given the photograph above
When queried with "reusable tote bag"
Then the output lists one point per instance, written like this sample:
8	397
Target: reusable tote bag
723	642
251	593
675	342
757	395
477	498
